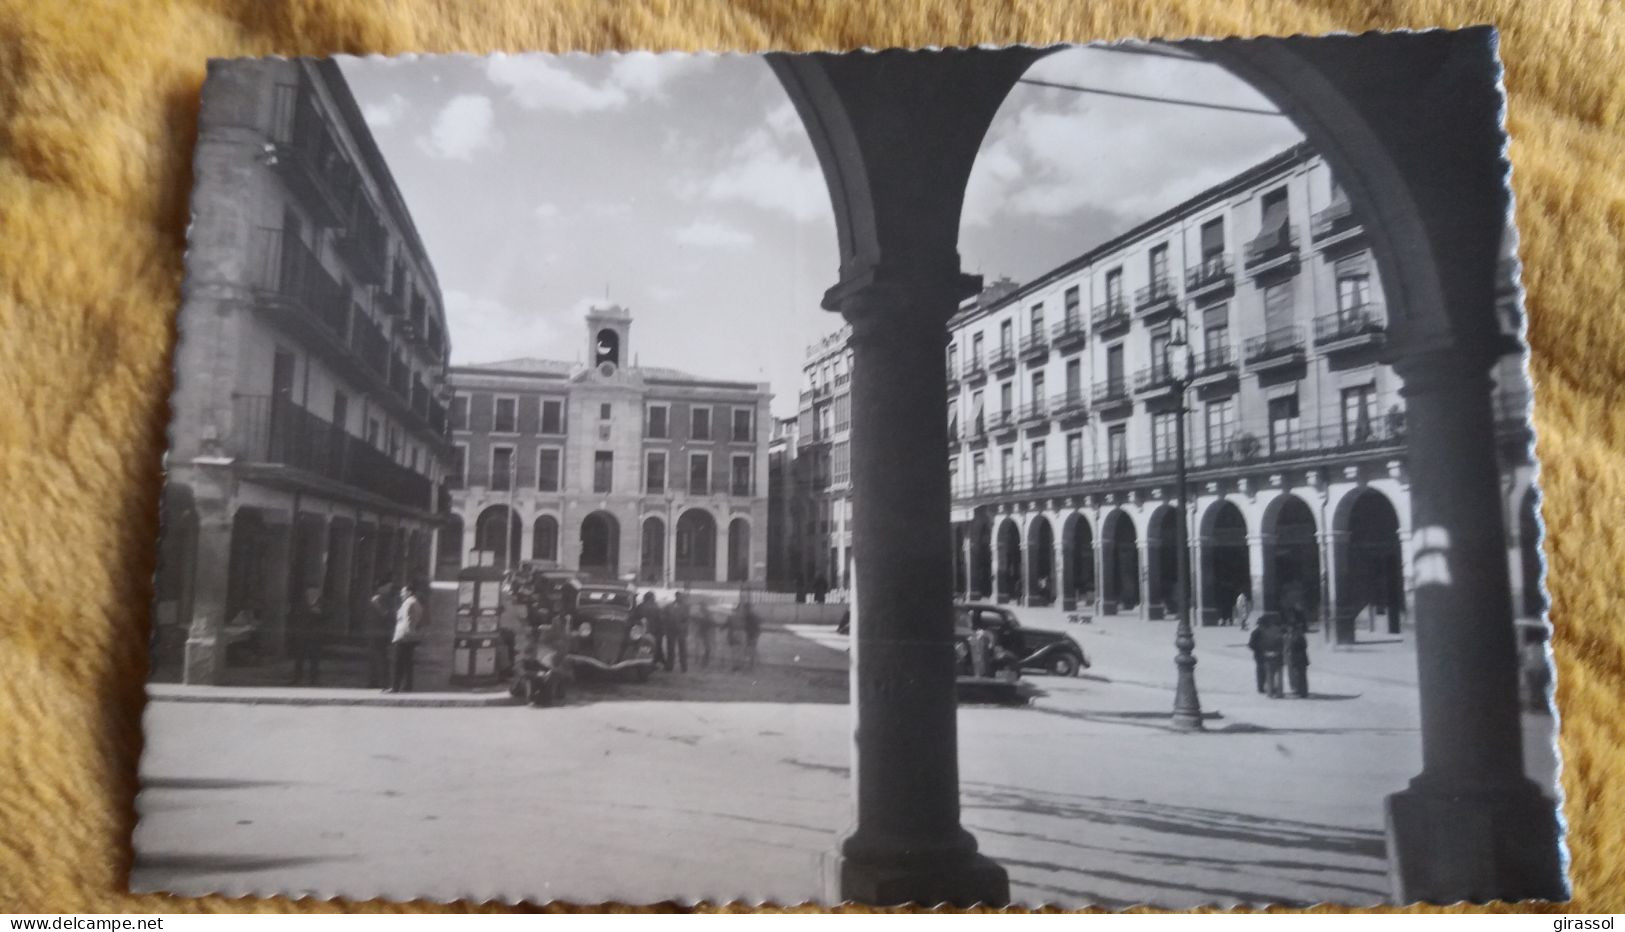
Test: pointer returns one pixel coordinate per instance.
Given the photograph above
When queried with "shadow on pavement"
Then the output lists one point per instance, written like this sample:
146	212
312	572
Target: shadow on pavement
174	863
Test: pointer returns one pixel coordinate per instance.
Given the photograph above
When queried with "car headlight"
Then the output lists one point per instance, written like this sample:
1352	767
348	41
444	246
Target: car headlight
636	633
584	629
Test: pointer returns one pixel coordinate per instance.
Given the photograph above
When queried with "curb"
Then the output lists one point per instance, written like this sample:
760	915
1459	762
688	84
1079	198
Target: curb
244	696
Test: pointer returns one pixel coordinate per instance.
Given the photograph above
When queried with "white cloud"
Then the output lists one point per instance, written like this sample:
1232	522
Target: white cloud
645	74
662	293
761	173
546	210
487	330
463	127
711	234
386	112
784	121
540	82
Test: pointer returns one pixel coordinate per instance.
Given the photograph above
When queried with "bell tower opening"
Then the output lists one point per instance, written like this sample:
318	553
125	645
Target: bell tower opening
608	336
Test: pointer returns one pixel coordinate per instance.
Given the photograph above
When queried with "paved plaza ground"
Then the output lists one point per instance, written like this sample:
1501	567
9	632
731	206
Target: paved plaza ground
726	786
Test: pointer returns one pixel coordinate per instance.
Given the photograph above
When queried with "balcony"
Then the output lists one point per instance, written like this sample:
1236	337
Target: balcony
1156	300
953	376
312	164
1035	347
1278	348
276	432
1111	397
1071	333
370	344
1350	329
1003	361
842	381
1033	413
1211	278
1070	405
1110	316
1273	251
1335	224
1155	379
1001	422
1213	365
975	370
363	243
294	283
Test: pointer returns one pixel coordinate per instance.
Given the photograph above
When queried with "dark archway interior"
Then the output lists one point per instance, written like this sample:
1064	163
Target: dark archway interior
1122	564
696	546
738	550
1293	562
1080	560
488	534
1041	557
1226	568
1163	578
982	561
652	562
1009	561
1373	580
600	544
544	540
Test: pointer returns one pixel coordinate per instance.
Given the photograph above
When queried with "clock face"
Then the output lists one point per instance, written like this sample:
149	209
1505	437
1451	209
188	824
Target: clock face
606	369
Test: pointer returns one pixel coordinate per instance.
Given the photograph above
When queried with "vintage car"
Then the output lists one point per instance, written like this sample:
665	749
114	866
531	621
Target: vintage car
1034	649
987	673
603	636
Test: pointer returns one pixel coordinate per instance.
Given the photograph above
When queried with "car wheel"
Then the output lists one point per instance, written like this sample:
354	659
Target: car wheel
1063	665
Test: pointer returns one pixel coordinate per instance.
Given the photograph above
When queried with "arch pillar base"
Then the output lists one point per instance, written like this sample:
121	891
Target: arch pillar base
1444	847
964	882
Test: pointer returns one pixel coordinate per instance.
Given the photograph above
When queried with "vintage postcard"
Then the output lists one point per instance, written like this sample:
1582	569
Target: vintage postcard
1086	475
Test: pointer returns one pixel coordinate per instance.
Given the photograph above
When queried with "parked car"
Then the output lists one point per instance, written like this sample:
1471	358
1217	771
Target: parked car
1035	649
603	636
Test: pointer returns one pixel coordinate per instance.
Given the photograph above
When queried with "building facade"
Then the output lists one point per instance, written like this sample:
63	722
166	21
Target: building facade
821	497
615	470
783	537
1064	398
309	441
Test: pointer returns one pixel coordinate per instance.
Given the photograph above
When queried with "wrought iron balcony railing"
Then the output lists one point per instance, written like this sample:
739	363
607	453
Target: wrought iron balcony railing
1155	298
1070	330
1337	217
1109	315
1271	247
275	431
1281	344
1211	273
1362	324
1035	345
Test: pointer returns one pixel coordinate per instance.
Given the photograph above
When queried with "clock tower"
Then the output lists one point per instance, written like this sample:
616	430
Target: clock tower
609	338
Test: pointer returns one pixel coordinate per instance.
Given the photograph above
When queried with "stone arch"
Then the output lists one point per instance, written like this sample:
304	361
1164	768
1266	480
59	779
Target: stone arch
1291	556
1041	584
1120	562
652	550
1225	559
544	538
1162	560
739	549
488	534
1369	563
1008	541
600	545
1077	560
696	556
981	560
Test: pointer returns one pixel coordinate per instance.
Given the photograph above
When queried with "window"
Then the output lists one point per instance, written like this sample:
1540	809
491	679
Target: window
978	471
976	348
545	543
603	471
841	463
1353	285
1072	300
552	417
699	474
1163	430
953	419
700	423
1159	353
1359	413
1215	336
1272	208
978	417
372	431
1114	287
457	470
843	412
1114	369
1283	424
606	411
1007	468
1212	242
1037	320
744	422
1040	467
459	412
1007	398
658	426
548	462
1038	390
1159	266
825	422
501	469
953	359
506	419
740	477
1074	457
1074	381
1277	307
1117	449
654	472
1221	425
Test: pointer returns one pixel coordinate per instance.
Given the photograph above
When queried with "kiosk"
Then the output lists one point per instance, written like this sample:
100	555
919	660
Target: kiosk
480	654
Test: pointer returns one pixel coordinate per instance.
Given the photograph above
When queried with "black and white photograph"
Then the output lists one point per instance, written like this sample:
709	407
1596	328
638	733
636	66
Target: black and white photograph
1079	476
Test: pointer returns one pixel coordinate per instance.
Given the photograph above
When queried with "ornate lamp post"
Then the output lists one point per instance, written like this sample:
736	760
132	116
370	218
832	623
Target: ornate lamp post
1187	705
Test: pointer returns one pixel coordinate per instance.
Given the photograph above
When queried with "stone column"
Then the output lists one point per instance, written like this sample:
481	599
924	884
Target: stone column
1255	567
1097	556
1025	590
1144	570
907	844
996	570
1470	825
1334	563
1060	581
205	658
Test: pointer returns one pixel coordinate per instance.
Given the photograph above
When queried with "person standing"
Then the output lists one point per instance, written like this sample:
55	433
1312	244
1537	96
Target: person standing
647	613
1297	660
409	618
304	637
705	632
820	587
676	633
752	630
1255	643
1271	636
380	629
1243	609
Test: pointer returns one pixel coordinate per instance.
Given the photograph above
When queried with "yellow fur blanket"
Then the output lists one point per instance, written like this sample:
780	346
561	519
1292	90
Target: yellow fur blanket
97	109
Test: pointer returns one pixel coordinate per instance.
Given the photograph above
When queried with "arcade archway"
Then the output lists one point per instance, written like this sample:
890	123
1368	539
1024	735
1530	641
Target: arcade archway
696	546
1162	554
1372	584
488	535
738	550
544	542
600	545
1120	572
1010	577
652	551
1078	584
1041	582
1226	566
1291	560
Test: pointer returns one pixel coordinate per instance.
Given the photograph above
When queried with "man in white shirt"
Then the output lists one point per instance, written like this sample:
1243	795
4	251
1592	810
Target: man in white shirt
409	621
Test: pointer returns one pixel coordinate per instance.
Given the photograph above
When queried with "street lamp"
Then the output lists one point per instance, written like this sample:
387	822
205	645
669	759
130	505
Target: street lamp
1187	705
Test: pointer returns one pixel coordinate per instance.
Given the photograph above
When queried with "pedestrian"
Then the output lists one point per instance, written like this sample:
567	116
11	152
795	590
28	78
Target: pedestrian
820	586
304	637
1269	644
752	630
380	629
704	630
801	589
1297	660
647	613
1255	643
409	625
676	633
1243	608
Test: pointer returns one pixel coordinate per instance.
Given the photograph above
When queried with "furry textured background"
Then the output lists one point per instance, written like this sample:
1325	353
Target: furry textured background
97	112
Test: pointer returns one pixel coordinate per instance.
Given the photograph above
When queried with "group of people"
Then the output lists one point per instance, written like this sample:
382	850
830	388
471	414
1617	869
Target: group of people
1281	646
683	624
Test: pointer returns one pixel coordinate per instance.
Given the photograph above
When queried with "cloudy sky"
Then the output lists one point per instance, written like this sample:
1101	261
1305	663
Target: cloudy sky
685	189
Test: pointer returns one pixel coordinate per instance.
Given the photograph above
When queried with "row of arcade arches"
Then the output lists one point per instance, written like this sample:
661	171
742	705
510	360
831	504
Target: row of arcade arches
695	547
1073	558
